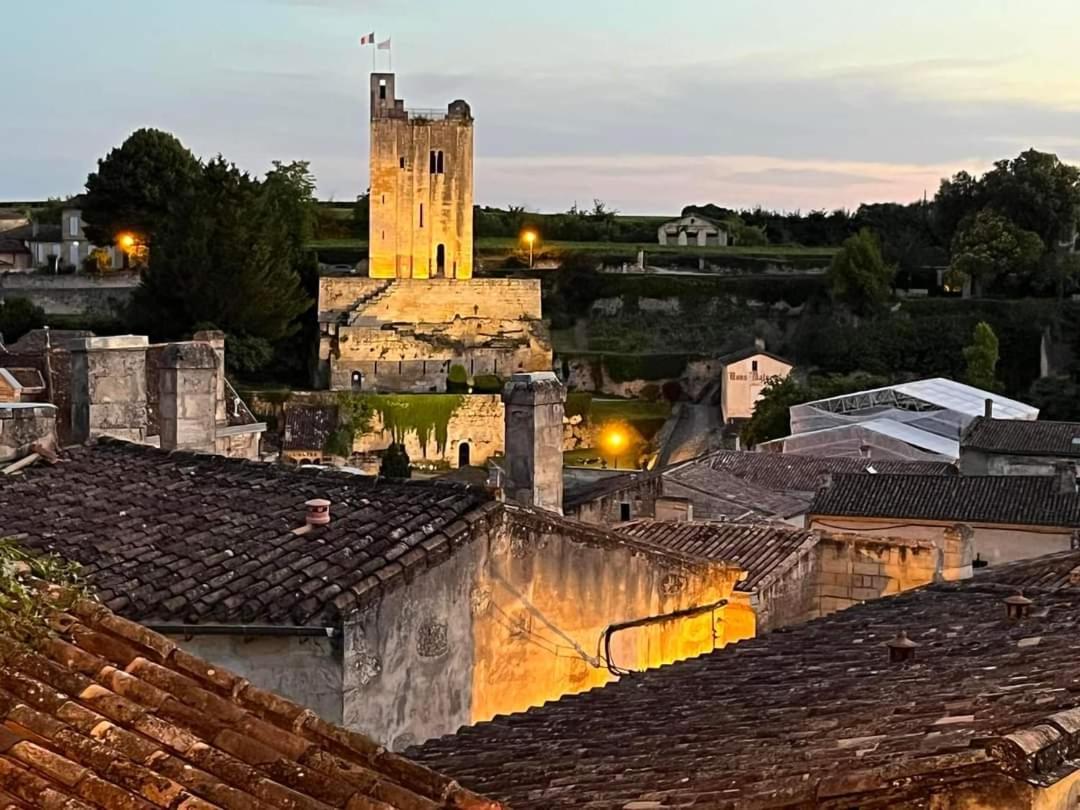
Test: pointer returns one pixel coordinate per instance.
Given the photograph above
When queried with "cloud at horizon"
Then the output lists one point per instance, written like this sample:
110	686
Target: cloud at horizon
783	128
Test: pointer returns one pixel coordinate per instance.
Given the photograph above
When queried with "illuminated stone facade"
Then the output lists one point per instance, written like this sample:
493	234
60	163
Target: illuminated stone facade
421	187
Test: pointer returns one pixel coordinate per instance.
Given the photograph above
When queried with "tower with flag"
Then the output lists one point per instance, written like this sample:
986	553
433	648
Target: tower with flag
421	187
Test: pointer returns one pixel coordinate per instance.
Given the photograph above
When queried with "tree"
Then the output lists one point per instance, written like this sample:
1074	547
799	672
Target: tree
17	317
982	358
859	276
1037	192
138	185
988	246
231	254
361	215
1057	398
395	462
770	418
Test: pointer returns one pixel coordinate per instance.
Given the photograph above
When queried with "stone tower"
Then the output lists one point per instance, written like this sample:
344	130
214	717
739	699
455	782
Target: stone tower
535	404
421	187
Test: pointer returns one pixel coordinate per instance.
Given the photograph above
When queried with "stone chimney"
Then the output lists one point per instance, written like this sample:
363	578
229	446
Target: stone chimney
108	387
535	404
759	344
217	342
1065	473
187	380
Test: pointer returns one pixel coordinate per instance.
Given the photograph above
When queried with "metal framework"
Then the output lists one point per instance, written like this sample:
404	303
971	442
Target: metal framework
877	398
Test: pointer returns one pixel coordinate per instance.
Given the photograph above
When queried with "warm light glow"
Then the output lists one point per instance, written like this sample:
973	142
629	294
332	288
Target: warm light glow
529	236
126	241
614	440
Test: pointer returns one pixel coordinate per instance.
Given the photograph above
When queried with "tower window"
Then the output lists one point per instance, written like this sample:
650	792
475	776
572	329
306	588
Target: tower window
401	162
382	89
432	165
421	215
439	163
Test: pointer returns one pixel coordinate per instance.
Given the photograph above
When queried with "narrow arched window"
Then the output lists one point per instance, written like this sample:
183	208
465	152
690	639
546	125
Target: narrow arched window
439	164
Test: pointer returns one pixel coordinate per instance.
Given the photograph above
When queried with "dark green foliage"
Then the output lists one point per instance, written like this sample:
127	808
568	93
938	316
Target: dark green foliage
246	355
579	403
487	384
50	213
231	254
17	317
626	367
395	462
1057	398
982	358
354	416
672	391
859	276
340	442
650	392
361	216
24	606
988	246
598	224
457	380
138	186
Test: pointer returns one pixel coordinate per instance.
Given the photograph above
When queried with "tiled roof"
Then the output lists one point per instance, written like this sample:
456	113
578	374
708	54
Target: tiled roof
182	537
813	716
107	714
762	549
605	486
1051	571
786	472
307	427
33	342
1023	437
11	245
752	351
733	497
1006	499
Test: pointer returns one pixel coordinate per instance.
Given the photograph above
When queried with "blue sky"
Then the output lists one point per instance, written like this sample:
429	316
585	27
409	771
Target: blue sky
648	106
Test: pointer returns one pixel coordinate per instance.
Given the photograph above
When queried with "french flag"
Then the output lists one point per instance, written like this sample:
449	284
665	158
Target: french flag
368	39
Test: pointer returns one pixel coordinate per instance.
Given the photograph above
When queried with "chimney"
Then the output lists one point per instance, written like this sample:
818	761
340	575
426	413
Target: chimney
759	344
535	404
186	397
901	648
108	388
988	408
1018	607
318	512
680	510
864	450
1065	474
217	342
824	479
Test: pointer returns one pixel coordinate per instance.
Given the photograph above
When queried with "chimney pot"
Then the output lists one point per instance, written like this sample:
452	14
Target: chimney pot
988	408
1018	606
318	512
901	648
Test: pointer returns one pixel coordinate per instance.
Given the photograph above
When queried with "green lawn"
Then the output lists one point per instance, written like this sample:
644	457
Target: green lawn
629	410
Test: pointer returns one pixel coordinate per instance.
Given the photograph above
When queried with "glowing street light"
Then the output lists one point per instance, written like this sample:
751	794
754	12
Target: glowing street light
530	237
126	241
615	441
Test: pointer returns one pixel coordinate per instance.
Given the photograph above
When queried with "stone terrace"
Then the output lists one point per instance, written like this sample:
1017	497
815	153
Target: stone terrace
815	715
107	714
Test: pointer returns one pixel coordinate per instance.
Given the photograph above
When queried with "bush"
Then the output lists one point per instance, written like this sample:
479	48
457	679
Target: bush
395	462
487	384
672	391
650	392
457	380
18	316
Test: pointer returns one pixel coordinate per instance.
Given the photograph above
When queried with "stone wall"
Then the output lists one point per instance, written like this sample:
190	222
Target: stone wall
433	300
306	669
22	424
591	374
477	421
108	388
76	294
638	497
514	620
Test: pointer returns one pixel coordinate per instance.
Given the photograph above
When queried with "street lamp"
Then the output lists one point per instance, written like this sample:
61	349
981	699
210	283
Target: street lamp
615	441
530	237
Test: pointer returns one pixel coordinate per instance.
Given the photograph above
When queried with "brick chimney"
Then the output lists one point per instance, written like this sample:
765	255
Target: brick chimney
187	380
535	404
108	387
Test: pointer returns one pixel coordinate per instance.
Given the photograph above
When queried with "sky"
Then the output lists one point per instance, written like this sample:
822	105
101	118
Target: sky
791	105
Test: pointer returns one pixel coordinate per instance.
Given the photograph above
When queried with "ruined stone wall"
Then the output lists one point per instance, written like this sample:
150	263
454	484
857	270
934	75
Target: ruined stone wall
22	424
512	621
608	509
477	421
77	294
433	300
591	374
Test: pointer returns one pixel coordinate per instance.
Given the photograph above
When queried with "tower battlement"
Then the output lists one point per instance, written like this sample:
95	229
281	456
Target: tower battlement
421	187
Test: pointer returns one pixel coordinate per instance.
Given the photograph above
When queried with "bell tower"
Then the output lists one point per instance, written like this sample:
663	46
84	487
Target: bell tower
421	187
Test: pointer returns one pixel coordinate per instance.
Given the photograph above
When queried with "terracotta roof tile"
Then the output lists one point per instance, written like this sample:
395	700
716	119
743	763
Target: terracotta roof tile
1005	499
107	714
814	715
186	538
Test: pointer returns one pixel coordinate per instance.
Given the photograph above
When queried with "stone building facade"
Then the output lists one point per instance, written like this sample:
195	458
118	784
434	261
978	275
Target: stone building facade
421	187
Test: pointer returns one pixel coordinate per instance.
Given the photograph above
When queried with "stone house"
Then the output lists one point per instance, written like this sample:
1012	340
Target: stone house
1009	517
64	244
14	255
102	712
744	376
946	696
419	607
693	230
1018	447
794	575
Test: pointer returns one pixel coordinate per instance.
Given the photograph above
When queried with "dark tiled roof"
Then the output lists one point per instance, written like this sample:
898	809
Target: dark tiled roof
10	244
813	716
187	538
1051	571
746	354
26	377
1006	499
1023	437
608	485
45	233
762	549
107	714
734	497
788	472
307	427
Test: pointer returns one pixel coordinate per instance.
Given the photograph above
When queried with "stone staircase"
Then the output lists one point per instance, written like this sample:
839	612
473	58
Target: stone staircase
355	316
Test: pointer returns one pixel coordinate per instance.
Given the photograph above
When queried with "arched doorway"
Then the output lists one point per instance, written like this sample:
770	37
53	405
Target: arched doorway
440	261
463	454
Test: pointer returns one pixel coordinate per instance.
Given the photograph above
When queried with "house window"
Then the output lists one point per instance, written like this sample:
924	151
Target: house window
421	215
73	226
624	512
753	366
382	89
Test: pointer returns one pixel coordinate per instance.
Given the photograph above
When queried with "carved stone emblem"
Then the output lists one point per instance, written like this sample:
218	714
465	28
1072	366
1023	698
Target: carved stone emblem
431	640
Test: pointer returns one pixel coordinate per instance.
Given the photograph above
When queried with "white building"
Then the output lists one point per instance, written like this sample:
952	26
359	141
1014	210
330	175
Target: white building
693	230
